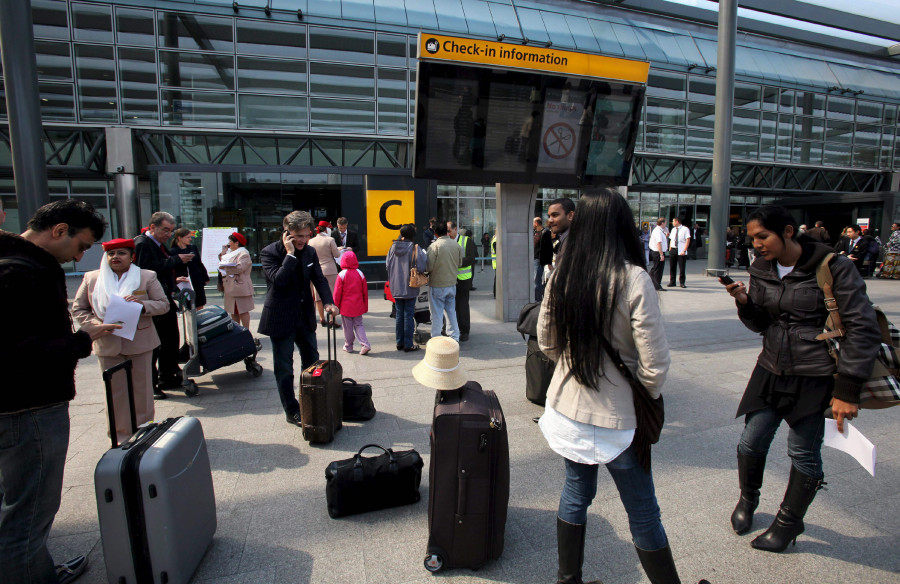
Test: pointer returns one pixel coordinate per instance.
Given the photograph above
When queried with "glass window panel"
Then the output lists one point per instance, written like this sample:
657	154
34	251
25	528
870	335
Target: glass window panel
447	209
392	95
193	31
261	37
662	111
890	114
54	61
704	199
700	142
330	44
390	12
689	49
652	197
702	89
332	115
50	19
606	37
650	45
450	16
446	190
809	128
195	108
687	198
840	108
421	15
770	99
392	50
810	104
196	70
273	111
628	42
341	80
358	10
506	21
3	109
582	33
887	145
412	100
92	22
868	112
836	154
271	76
783	139
744	146
135	27
841	132
701	115
326	8
558	29
137	82
57	101
664	139
95	69
668	198
478	18
786	104
413	52
747	95
868	136
746	121
667	84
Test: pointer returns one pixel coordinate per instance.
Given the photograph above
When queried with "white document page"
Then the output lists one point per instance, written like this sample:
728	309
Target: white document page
213	240
852	442
185	285
125	313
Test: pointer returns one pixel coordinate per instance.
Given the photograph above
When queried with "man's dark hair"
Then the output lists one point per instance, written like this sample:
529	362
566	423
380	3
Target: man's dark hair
855	228
895	224
451	225
341	221
408	232
432	221
75	213
440	228
568	204
157	218
820	224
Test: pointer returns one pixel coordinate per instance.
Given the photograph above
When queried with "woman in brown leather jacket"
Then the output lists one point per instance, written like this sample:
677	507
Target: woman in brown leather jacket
795	378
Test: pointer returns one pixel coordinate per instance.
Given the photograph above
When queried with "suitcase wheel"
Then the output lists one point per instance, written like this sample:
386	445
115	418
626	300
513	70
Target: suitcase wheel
254	368
433	562
191	389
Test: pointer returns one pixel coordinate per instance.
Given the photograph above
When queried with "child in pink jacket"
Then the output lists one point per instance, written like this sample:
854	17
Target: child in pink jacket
351	296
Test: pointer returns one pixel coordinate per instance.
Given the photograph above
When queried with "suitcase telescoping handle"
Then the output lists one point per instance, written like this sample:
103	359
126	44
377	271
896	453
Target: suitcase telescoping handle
110	407
332	335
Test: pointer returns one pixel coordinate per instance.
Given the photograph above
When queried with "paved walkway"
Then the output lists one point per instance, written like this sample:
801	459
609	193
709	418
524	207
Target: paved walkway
270	486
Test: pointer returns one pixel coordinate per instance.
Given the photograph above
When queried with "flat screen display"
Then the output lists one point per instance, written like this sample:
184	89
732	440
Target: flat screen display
481	125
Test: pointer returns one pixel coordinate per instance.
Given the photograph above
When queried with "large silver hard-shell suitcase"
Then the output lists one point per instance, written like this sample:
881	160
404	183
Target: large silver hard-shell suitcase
155	498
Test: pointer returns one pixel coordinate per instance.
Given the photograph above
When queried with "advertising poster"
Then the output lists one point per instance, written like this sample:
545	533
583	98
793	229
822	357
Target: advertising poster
213	240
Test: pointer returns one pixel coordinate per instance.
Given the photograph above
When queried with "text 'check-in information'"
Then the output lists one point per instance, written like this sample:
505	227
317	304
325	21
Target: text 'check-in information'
386	213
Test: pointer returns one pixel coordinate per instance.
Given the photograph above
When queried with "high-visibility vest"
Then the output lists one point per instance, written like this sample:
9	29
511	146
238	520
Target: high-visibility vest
467	272
494	252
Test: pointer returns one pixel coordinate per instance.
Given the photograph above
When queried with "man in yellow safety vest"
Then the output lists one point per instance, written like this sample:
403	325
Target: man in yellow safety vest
463	278
494	259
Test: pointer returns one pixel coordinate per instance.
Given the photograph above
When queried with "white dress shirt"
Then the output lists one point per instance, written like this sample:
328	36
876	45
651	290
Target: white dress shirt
679	238
658	239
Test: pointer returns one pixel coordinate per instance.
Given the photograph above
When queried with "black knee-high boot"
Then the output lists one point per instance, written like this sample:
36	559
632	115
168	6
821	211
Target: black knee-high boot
570	546
788	524
659	565
750	477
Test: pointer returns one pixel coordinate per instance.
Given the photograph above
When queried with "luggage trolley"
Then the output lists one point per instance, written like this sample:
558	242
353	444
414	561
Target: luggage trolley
237	344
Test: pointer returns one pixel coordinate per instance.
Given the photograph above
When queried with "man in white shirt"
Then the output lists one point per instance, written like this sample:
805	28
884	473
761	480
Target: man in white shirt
657	265
679	240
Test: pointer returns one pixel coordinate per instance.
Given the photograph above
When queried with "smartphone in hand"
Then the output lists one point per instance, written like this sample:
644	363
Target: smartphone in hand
726	280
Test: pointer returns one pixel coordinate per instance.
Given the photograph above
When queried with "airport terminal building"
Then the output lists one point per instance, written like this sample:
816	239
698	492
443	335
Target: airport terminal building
235	113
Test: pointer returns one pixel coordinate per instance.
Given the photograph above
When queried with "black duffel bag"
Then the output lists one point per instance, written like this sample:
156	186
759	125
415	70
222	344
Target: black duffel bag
360	484
358	404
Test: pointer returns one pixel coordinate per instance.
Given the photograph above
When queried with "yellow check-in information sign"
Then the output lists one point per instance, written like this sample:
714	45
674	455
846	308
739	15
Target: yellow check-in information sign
386	212
518	56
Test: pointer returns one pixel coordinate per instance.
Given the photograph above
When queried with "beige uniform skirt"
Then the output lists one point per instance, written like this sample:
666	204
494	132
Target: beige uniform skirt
243	303
332	279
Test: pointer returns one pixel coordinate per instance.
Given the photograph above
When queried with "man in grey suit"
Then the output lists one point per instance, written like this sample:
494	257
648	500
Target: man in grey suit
288	316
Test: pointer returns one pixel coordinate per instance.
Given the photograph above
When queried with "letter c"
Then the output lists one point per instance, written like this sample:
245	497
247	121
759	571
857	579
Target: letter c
382	213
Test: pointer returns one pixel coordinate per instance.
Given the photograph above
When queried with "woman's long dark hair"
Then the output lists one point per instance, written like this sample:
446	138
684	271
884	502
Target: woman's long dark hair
588	277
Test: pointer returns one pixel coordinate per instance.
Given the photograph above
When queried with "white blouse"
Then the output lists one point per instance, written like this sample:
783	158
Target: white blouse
583	443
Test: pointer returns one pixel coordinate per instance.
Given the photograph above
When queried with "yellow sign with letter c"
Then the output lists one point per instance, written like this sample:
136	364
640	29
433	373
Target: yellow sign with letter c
386	213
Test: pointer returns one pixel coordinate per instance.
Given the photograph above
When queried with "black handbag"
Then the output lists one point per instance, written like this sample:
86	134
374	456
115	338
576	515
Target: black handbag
367	483
538	372
650	413
358	404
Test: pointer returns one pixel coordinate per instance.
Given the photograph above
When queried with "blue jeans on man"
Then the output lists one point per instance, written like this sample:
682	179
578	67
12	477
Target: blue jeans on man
636	491
283	363
33	446
443	305
804	439
406	321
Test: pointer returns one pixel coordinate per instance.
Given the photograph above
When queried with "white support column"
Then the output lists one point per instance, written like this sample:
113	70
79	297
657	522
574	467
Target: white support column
515	213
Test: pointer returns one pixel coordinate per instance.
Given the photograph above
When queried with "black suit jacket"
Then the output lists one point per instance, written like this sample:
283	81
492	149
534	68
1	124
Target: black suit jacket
149	256
859	250
352	239
289	300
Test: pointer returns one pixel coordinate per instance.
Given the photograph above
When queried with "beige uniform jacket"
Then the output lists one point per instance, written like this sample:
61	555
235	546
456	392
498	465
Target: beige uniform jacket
237	282
638	335
328	252
149	293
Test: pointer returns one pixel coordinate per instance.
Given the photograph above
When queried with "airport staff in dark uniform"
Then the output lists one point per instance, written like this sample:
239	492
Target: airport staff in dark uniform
464	277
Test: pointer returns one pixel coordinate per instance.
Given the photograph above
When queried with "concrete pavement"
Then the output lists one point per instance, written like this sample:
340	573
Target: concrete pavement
270	484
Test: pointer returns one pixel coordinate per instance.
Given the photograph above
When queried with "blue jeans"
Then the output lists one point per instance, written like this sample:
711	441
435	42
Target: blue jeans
443	305
406	321
635	490
538	281
804	439
283	362
33	446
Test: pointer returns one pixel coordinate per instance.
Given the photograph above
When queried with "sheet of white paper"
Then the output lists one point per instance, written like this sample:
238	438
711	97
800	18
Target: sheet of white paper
852	442
124	313
213	240
227	265
185	285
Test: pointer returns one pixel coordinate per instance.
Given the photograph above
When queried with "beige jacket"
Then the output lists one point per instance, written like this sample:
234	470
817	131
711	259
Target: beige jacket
638	335
328	252
149	293
444	261
237	280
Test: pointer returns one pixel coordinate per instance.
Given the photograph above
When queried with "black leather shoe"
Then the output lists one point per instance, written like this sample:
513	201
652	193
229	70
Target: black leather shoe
672	285
171	383
294	419
157	394
399	346
71	570
683	286
536	419
463	337
660	289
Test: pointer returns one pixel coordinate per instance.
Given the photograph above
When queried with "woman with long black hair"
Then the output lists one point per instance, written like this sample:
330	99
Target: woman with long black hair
795	378
600	291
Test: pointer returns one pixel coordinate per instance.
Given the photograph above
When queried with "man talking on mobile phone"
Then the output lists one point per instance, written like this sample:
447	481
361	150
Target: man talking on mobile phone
288	316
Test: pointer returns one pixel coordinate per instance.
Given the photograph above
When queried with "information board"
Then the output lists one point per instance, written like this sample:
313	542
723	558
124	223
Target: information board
213	240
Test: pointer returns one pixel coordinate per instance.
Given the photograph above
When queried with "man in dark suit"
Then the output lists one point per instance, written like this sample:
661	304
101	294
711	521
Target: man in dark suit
854	246
819	233
288	316
150	254
344	237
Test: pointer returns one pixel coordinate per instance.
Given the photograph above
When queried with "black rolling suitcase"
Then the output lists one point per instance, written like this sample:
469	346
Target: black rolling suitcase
155	499
468	479
233	345
321	396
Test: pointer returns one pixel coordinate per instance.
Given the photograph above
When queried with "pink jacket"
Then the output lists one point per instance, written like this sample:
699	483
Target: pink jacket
351	293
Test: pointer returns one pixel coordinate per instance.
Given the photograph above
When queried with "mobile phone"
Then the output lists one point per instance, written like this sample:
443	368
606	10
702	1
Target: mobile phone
726	280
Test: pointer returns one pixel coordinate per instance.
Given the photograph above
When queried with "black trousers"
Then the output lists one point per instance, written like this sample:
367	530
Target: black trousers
676	262
656	269
165	356
463	318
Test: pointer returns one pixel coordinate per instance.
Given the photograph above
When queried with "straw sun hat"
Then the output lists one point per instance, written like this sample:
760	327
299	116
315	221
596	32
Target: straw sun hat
440	369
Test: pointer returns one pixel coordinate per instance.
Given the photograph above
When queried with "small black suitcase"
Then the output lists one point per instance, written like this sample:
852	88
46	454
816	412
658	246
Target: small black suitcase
358	404
538	372
227	348
468	479
321	397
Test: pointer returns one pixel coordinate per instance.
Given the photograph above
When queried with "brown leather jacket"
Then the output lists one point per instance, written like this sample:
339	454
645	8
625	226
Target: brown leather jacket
789	313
